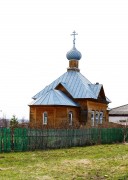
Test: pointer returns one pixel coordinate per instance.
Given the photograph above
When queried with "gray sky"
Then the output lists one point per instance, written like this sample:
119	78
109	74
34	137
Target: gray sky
34	39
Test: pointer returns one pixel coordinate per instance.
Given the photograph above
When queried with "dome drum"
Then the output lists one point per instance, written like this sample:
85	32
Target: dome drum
73	65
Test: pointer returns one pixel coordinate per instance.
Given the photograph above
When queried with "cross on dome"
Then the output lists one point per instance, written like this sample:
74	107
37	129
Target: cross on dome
73	54
74	34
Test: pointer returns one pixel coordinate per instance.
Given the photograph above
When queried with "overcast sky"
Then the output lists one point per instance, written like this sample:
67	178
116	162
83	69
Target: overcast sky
34	40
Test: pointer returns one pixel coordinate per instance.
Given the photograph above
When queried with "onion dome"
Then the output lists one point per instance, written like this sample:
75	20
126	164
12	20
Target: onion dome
73	54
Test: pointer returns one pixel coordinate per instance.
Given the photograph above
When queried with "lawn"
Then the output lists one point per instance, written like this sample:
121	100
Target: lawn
79	163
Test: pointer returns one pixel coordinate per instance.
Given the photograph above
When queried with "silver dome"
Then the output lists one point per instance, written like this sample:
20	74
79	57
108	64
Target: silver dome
73	54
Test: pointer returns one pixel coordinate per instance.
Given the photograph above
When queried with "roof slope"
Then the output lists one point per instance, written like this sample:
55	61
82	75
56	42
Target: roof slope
121	110
76	84
96	88
54	97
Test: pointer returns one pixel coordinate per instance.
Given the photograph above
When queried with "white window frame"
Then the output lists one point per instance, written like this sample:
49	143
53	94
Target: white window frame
97	117
92	118
70	118
45	118
101	117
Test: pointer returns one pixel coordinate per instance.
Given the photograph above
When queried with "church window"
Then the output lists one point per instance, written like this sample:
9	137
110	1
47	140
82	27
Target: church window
70	117
101	117
92	118
97	117
45	118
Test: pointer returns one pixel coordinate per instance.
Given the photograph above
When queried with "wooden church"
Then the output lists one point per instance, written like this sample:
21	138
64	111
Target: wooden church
70	101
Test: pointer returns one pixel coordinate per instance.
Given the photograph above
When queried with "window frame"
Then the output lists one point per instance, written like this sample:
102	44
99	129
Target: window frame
101	119
92	118
45	118
97	117
70	118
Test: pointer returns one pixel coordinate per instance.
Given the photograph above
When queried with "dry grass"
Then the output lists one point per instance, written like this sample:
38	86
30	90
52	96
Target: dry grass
93	162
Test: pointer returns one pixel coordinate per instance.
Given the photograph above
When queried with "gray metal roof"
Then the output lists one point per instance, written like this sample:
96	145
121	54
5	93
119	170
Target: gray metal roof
76	84
54	97
96	88
121	110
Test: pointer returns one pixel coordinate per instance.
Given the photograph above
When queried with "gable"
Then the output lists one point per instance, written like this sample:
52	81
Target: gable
61	87
101	95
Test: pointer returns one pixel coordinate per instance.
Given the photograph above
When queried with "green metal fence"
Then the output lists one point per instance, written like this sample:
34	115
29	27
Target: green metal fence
21	139
5	140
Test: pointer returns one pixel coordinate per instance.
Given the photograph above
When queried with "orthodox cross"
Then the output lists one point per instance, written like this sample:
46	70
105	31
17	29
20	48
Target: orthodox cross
74	34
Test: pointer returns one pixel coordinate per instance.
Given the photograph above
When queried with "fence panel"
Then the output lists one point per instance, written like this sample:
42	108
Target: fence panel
5	140
20	139
95	136
107	136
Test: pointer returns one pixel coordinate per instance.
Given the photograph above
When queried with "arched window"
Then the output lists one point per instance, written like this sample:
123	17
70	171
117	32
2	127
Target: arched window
45	118
70	115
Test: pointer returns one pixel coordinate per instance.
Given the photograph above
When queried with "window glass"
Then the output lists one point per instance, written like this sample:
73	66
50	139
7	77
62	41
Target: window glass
45	118
101	117
92	118
70	114
97	117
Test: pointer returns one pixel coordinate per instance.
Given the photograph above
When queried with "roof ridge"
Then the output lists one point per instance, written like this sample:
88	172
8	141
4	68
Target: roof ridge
79	74
83	77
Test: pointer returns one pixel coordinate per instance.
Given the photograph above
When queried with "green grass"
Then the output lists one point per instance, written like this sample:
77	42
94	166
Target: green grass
81	163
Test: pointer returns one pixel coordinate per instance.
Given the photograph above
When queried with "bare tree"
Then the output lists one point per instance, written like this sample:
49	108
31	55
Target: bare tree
24	123
4	122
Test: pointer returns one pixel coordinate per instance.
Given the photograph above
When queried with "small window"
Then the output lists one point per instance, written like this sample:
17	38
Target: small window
101	117
70	115
97	117
92	118
45	118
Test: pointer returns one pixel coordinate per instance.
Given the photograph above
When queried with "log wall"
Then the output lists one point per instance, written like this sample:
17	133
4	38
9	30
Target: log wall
57	116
